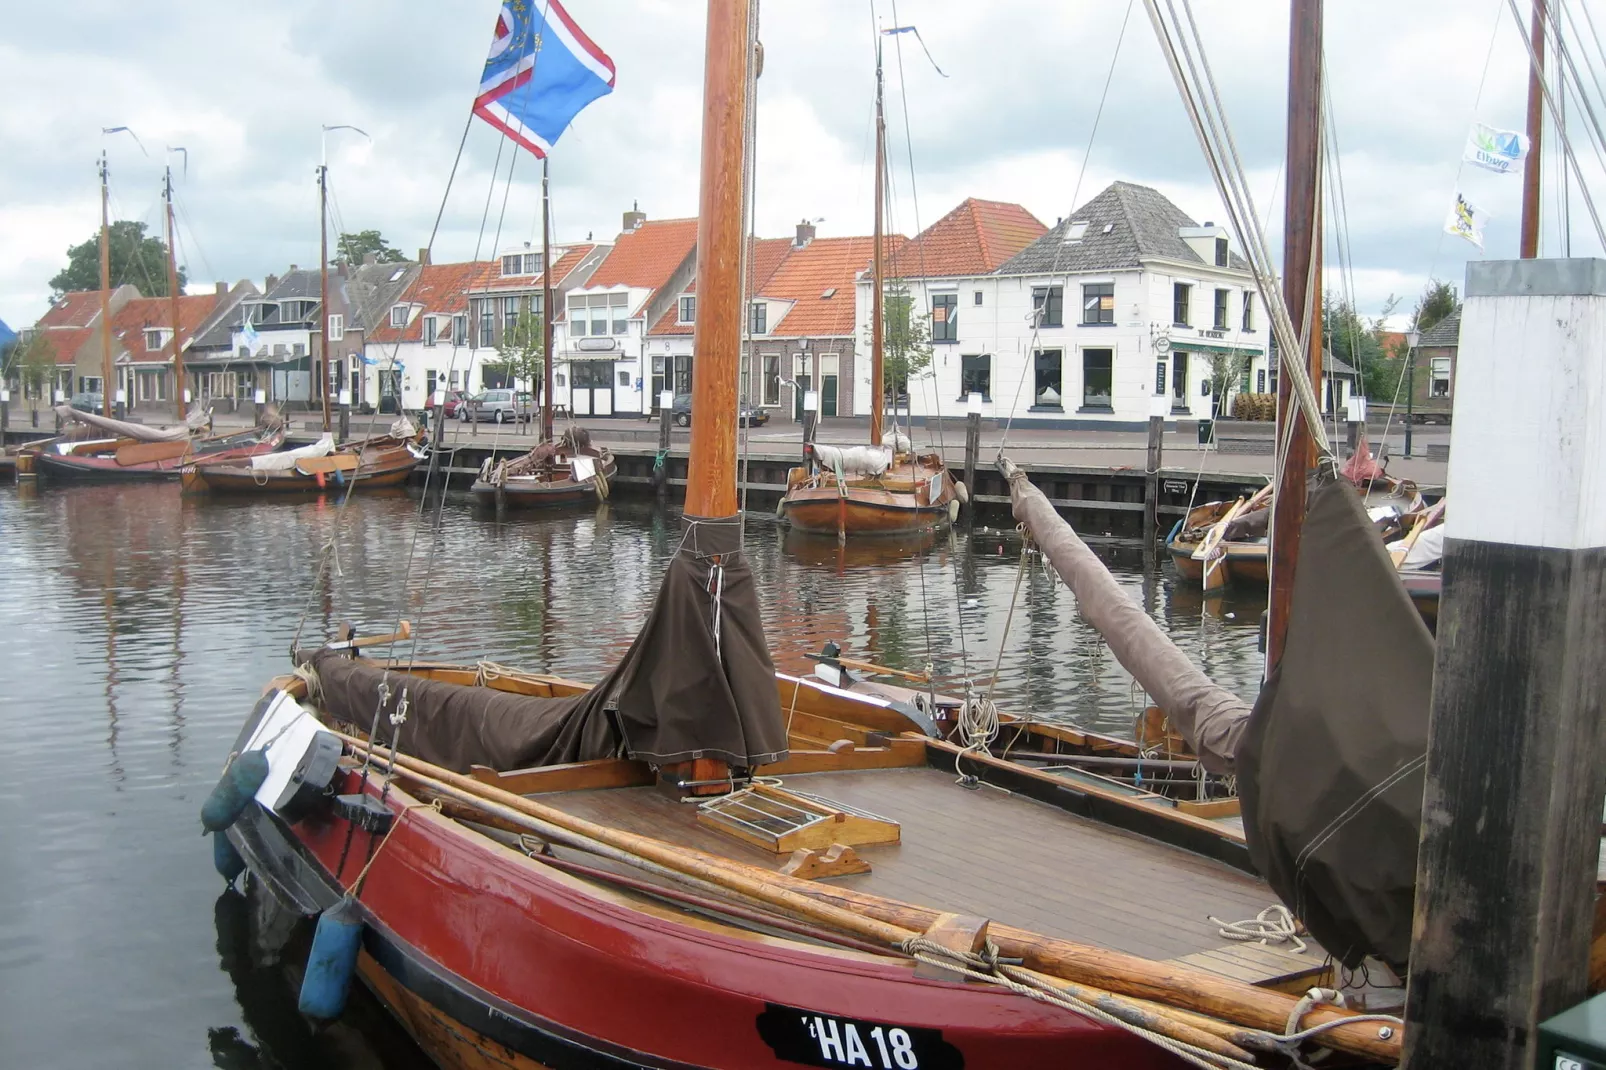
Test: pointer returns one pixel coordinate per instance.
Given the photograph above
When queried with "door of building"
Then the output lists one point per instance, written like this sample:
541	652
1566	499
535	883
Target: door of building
830	368
1179	380
591	387
657	382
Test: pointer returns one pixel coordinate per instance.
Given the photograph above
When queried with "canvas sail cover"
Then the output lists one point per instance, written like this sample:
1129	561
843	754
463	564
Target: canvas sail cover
697	682
285	460
124	428
853	460
1210	717
1330	768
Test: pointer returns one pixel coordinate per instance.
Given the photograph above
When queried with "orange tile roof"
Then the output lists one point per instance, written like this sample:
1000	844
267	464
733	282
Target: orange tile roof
443	290
65	342
973	239
561	267
768	254
648	255
77	309
807	273
130	322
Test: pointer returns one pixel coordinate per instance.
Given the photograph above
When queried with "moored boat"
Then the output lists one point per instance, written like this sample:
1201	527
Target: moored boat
561	472
129	460
370	464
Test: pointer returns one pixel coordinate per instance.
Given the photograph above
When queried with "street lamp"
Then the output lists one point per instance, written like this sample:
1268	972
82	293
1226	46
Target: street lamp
1412	339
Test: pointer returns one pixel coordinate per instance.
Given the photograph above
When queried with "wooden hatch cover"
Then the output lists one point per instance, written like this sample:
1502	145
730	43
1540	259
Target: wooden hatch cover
783	821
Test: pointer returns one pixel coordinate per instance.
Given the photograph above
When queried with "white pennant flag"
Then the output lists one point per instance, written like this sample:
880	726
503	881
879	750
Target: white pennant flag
1466	220
1500	151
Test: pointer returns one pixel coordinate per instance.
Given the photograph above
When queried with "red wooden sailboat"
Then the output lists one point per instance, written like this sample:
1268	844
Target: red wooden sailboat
138	454
884	488
368	464
533	872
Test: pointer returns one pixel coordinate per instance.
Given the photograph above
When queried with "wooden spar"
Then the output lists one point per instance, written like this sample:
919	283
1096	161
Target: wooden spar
546	306
107	394
172	299
878	390
711	465
323	285
1529	245
1302	293
891	922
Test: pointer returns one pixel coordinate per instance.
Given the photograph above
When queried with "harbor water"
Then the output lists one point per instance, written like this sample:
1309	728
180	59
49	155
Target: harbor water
140	628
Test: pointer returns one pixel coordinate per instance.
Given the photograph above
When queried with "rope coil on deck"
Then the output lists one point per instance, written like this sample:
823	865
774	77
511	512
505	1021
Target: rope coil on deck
1274	925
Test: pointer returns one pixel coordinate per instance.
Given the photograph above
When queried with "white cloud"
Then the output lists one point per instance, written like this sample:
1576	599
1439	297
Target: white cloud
245	89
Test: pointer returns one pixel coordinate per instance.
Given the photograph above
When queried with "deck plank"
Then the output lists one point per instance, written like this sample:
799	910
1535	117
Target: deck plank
991	853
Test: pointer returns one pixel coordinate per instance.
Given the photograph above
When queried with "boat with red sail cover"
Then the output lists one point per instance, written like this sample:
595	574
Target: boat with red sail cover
534	872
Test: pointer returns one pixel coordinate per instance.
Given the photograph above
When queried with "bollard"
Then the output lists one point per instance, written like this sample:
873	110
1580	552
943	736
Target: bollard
666	404
1159	409
972	445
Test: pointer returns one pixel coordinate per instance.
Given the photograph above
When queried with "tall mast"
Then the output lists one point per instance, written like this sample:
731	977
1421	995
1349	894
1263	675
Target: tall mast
108	394
546	306
711	474
878	390
1302	288
172	298
323	284
1536	128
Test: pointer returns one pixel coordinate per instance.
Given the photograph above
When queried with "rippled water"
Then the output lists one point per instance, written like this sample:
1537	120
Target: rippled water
139	629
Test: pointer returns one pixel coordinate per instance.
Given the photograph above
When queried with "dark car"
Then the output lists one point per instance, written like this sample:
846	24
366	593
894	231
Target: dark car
751	416
87	401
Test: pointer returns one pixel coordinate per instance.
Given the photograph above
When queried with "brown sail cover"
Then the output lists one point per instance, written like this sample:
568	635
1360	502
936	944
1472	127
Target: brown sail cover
1331	766
677	695
1210	717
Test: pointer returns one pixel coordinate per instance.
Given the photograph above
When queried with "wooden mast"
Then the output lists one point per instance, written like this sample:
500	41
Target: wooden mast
323	285
546	306
1529	248
878	390
711	467
180	401
1302	282
108	394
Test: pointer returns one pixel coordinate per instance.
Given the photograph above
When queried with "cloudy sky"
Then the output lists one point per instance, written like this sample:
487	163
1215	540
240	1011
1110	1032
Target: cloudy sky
245	88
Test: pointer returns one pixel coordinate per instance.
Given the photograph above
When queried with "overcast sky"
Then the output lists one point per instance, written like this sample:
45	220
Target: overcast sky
245	89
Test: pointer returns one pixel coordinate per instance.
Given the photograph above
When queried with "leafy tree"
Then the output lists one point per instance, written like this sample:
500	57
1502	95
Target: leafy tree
32	364
905	340
1226	373
354	248
134	258
523	349
1437	302
1358	341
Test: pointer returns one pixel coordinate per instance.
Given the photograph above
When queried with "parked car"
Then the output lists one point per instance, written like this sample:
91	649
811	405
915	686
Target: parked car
86	401
454	400
498	406
749	415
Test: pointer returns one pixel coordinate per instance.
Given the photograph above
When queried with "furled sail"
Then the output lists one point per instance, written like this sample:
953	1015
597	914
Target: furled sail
124	428
853	460
285	460
696	683
1210	717
1330	767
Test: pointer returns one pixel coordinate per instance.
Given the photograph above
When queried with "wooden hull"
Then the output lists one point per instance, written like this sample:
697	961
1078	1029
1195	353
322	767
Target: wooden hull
540	492
491	958
103	467
895	505
391	470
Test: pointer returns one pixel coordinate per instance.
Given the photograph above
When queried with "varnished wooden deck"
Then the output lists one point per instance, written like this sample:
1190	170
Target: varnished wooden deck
990	853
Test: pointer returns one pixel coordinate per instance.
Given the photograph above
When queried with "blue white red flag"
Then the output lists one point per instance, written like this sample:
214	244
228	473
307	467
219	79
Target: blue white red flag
541	71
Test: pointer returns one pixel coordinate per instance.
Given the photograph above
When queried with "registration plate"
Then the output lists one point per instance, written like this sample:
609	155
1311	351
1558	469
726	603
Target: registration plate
814	1039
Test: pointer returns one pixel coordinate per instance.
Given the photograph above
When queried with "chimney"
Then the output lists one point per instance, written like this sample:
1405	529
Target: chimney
635	217
423	257
294	268
805	234
269	283
222	289
370	259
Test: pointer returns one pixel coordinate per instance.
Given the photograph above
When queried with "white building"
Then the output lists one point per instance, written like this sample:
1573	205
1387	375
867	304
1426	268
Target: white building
1126	300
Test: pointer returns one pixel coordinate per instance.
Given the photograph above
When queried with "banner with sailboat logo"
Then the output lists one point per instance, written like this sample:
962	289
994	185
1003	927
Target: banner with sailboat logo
1466	220
1500	151
541	72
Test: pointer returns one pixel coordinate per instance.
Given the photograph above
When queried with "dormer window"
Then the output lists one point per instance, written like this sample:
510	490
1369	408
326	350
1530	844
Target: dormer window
1074	233
398	315
155	339
1221	252
521	264
688	308
758	318
432	329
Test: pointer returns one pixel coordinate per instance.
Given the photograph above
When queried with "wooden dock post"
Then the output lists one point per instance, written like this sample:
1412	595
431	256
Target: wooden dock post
5	411
1159	409
811	410
1512	808
972	446
345	414
666	403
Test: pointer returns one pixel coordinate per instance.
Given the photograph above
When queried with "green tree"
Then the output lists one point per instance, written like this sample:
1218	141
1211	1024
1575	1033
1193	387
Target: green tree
134	258
905	340
32	364
354	248
1226	374
523	349
1437	302
1358	341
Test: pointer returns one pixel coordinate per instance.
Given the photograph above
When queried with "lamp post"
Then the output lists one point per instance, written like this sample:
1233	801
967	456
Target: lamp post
1412	338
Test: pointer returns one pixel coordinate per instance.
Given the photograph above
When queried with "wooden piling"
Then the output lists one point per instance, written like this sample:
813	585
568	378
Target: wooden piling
972	452
1151	474
1512	807
345	418
666	403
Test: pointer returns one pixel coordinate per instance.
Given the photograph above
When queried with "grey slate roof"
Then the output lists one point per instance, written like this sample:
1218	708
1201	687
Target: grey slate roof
298	285
1446	332
1335	364
1142	223
372	288
219	333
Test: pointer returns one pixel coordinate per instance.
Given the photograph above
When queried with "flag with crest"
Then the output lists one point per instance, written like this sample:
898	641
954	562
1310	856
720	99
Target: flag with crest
541	72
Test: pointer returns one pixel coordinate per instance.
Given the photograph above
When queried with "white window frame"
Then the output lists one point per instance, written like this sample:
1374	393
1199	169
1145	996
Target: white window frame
337	326
578	314
160	334
432	330
687	304
398	315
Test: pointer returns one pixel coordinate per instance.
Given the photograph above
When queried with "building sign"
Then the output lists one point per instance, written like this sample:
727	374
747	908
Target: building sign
596	345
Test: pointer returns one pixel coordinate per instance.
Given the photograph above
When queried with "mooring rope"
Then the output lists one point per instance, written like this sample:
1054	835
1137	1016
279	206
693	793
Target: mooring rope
1274	925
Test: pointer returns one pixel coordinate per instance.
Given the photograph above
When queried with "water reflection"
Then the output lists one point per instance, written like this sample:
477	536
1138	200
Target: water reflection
142	626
